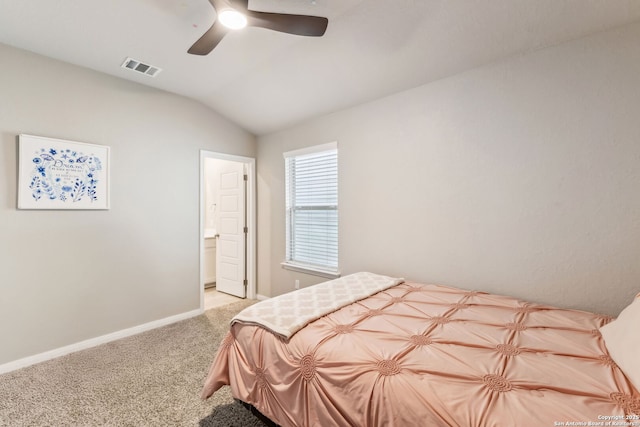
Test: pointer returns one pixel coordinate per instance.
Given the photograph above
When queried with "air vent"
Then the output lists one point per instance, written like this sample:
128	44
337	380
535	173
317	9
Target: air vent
141	67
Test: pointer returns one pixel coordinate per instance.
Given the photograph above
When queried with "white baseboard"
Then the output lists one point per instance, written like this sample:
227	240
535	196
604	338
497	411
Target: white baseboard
261	297
92	342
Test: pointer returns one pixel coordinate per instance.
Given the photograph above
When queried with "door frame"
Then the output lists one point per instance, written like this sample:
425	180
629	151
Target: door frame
250	163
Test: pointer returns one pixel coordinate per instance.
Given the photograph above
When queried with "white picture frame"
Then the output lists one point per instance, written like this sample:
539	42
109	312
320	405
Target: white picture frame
60	174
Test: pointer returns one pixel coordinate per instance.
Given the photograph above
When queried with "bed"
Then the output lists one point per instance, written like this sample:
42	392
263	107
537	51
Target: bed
419	354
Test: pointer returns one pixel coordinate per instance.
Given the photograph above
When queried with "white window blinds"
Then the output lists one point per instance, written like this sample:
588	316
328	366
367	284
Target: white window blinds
312	207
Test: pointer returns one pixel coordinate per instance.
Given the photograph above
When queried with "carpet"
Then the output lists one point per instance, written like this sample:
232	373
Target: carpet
150	379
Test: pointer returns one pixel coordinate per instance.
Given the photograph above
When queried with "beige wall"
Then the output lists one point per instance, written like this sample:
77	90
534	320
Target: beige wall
67	276
520	178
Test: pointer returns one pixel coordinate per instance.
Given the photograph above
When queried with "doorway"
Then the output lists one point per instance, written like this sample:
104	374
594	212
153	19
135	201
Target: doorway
227	224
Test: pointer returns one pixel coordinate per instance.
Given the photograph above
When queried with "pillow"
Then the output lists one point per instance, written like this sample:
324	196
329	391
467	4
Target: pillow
623	341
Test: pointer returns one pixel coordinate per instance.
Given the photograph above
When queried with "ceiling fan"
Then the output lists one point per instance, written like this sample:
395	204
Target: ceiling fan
235	14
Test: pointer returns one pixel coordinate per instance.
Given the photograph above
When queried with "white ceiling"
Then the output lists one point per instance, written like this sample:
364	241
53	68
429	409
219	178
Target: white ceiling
266	81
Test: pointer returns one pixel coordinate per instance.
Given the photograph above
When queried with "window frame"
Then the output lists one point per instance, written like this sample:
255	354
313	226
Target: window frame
291	264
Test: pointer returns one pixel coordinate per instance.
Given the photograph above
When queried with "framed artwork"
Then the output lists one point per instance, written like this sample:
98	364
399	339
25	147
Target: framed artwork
59	174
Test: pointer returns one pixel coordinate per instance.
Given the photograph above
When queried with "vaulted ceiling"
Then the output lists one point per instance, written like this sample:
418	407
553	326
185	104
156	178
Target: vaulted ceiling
266	81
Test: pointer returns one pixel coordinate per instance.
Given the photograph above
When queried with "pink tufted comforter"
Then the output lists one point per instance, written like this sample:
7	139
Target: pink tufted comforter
426	355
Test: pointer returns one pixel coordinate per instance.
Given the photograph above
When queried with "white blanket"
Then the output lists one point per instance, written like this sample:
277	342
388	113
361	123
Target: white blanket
287	314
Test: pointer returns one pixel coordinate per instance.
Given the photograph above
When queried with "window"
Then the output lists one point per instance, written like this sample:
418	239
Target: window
311	181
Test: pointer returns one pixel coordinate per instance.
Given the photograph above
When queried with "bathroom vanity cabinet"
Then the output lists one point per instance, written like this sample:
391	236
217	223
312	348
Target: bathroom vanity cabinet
210	261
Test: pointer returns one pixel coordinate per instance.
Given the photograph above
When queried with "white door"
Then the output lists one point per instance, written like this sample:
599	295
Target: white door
230	247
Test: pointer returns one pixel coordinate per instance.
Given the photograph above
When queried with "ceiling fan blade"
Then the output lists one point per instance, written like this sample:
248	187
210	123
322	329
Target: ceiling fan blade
301	25
240	5
214	34
209	40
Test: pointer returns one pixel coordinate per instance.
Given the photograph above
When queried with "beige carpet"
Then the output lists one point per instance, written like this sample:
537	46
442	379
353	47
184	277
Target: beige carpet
150	379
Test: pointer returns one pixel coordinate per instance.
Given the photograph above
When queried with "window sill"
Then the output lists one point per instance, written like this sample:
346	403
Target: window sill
315	271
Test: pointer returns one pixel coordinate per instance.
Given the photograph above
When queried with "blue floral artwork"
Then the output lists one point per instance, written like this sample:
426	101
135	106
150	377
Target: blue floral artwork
63	175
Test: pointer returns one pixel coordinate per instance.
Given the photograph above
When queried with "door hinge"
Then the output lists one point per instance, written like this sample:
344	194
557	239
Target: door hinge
246	230
245	282
246	177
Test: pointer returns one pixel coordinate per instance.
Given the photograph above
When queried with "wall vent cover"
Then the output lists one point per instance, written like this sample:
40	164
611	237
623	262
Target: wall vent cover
141	67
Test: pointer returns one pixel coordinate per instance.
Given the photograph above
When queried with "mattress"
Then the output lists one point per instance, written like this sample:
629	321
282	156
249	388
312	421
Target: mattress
429	355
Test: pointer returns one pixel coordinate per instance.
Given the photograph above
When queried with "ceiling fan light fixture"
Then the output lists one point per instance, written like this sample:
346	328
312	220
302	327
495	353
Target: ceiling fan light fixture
232	19
227	18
